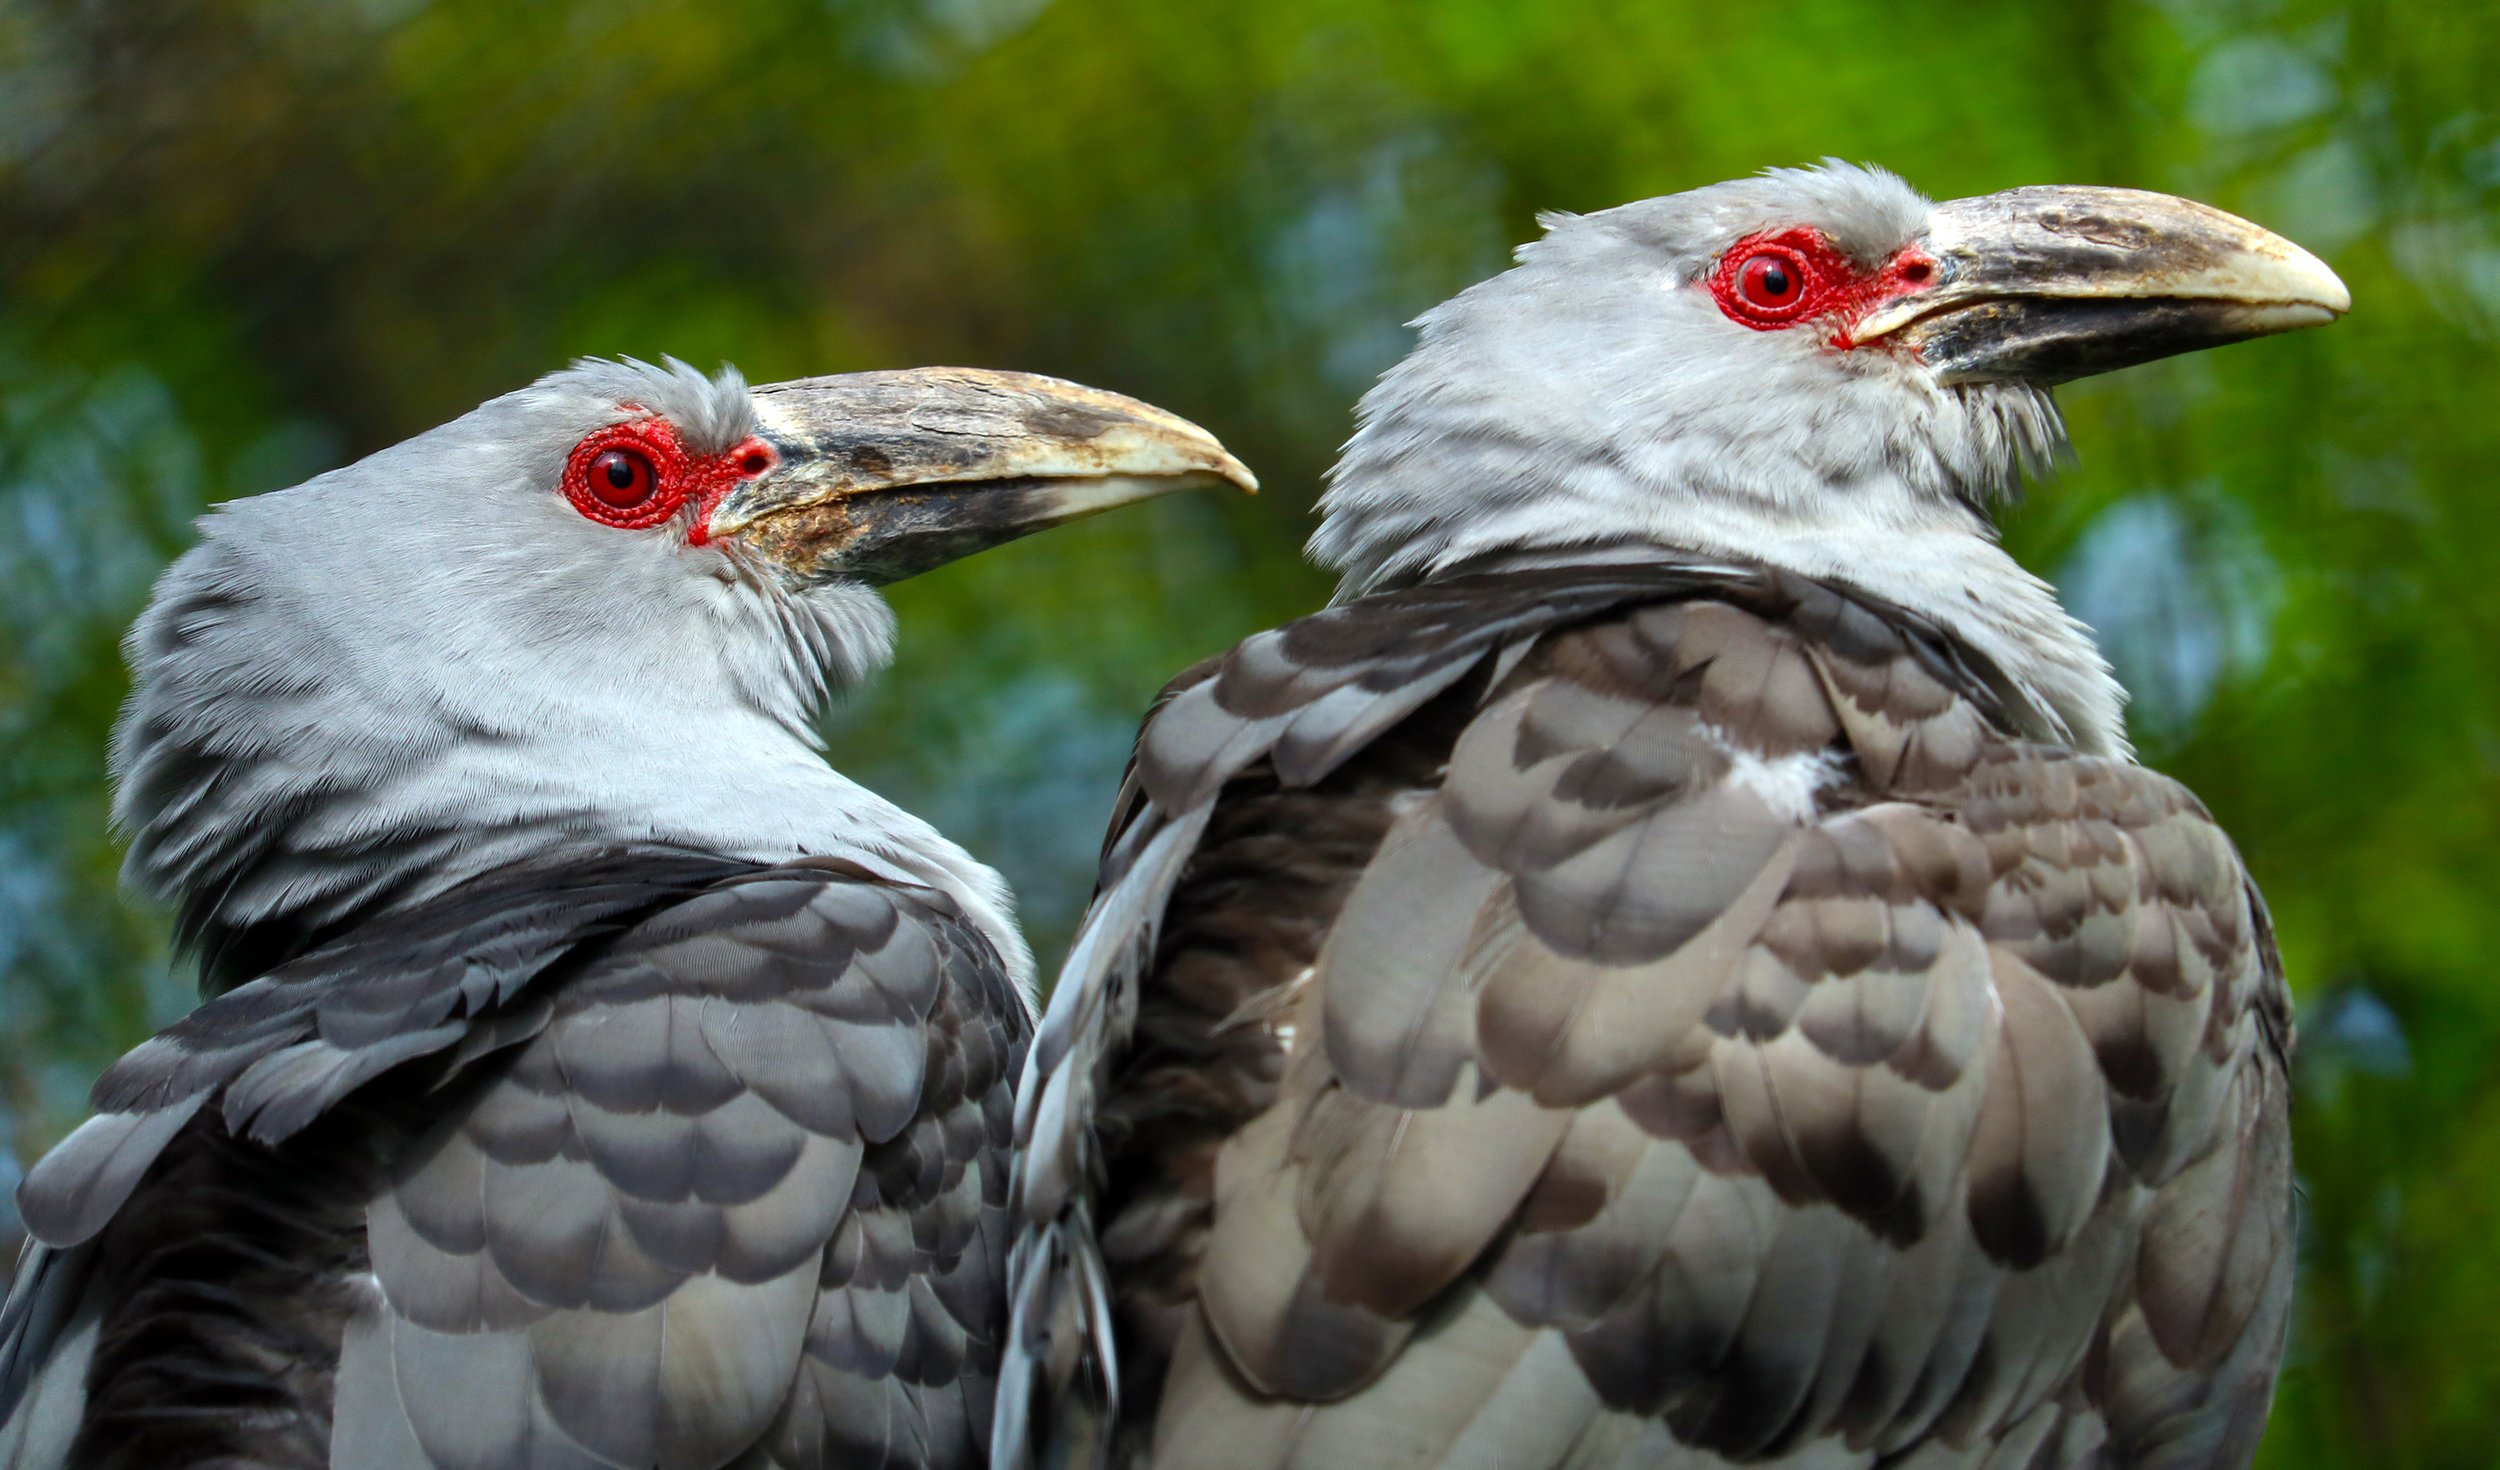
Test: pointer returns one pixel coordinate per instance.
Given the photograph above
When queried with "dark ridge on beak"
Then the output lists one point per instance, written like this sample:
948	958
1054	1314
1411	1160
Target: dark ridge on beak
885	475
2045	285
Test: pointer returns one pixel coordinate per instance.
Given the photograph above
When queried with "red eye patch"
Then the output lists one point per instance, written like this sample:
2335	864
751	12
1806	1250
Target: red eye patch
1781	277
636	474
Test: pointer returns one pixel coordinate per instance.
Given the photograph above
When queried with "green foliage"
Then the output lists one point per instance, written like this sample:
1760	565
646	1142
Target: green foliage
241	240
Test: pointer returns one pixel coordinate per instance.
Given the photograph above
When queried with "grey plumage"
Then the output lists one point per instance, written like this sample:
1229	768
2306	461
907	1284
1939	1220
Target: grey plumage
1676	967
590	1076
1575	1029
649	1115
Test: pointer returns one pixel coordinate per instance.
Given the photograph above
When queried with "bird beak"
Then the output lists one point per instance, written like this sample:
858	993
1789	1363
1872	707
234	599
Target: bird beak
881	476
2050	284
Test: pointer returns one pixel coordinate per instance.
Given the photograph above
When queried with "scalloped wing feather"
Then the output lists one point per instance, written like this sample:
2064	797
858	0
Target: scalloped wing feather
1705	1012
733	1187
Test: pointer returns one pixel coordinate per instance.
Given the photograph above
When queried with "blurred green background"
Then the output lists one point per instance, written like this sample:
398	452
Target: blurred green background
245	240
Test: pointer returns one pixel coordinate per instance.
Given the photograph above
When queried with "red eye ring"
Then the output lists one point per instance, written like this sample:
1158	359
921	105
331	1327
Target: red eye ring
631	475
1782	278
1768	283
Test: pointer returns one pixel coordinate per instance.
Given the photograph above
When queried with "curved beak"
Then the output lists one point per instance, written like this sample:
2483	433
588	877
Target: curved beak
884	475
2051	284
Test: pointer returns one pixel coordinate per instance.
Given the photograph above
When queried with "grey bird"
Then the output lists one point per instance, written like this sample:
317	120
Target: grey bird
1677	967
590	1076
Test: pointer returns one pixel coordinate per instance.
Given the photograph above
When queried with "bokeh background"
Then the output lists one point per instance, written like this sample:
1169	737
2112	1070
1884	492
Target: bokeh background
242	241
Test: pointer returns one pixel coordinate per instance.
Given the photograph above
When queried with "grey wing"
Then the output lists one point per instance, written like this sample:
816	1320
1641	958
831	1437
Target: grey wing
607	1229
47	1338
1290	706
1746	1051
227	1260
739	1198
277	1053
2188	1366
1309	696
899	1362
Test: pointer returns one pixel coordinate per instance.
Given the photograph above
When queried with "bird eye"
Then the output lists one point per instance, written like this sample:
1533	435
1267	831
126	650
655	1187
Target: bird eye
631	475
622	479
1771	281
1777	280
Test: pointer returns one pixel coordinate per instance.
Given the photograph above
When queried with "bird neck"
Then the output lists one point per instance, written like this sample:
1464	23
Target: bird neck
283	777
1937	559
308	856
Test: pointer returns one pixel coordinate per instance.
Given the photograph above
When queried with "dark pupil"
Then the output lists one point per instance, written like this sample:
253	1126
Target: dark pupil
1773	279
622	478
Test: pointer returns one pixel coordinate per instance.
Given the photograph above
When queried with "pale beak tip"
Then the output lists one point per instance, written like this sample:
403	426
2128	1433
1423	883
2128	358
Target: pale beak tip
1154	442
2301	279
2333	294
1235	472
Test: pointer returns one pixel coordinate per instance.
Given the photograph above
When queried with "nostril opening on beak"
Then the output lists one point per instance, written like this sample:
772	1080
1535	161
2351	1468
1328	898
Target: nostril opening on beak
1918	272
754	457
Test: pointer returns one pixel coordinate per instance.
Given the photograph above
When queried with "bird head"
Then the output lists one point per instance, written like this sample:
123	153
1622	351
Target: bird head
607	608
1817	369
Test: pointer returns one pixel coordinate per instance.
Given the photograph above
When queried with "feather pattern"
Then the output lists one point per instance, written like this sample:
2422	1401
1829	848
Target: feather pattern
663	1160
1678	1015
